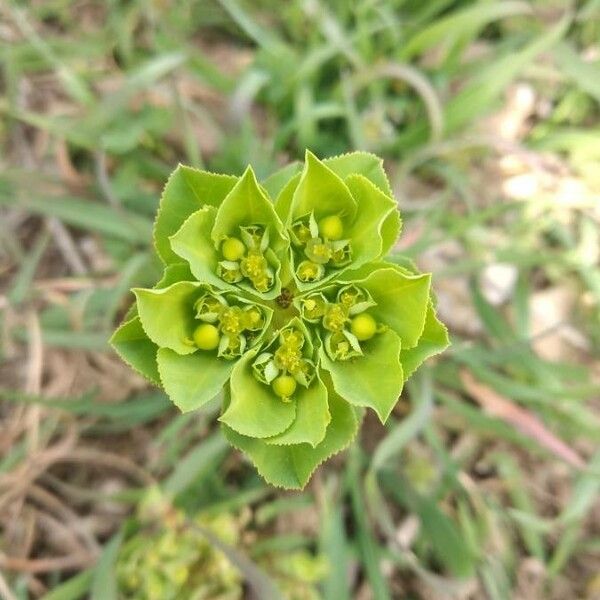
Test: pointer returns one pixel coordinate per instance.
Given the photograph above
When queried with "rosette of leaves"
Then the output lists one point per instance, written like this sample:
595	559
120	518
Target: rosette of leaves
276	292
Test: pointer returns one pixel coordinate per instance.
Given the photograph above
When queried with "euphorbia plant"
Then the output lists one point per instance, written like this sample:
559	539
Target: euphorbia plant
276	293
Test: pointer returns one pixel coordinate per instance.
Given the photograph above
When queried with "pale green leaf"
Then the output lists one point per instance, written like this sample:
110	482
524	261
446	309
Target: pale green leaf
174	273
283	201
193	243
402	299
133	346
167	315
362	163
312	417
292	466
433	340
104	581
254	409
186	191
278	180
374	380
245	205
390	231
192	380
322	191
374	208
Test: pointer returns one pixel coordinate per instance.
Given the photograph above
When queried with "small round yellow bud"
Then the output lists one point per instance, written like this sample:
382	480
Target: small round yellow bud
363	326
206	336
331	227
284	386
233	249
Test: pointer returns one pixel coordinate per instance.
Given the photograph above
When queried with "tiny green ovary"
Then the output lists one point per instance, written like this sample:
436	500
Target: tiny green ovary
284	386
206	336
363	326
331	227
233	249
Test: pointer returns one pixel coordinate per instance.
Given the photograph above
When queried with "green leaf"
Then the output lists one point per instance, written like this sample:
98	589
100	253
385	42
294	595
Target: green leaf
390	231
402	299
373	380
186	191
374	208
312	417
104	582
283	201
333	544
448	543
586	74
167	315
133	346
247	204
291	467
254	409
192	380
193	243
322	191
433	340
198	463
488	84
86	215
278	180
174	273
362	163
446	539
72	589
469	19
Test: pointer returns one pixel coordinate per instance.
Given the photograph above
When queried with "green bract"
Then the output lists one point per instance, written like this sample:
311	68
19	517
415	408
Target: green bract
277	294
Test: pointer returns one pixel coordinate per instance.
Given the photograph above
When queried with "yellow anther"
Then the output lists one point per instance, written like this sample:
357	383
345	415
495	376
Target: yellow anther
288	359
335	318
302	232
254	265
318	251
232	320
309	271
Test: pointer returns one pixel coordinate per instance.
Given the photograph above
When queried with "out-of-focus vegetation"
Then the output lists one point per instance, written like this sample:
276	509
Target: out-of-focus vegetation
485	482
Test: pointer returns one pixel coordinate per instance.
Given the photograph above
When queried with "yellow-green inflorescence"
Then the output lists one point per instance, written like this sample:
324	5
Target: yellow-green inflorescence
286	364
244	258
341	314
319	246
226	325
276	292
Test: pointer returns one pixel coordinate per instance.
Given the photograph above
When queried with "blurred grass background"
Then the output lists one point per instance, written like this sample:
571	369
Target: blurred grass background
484	484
